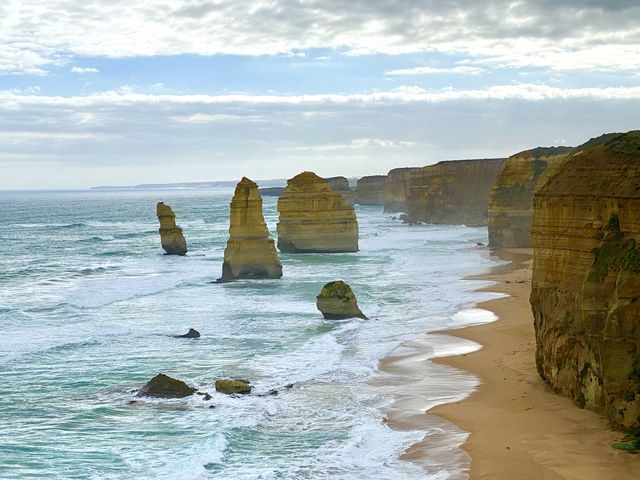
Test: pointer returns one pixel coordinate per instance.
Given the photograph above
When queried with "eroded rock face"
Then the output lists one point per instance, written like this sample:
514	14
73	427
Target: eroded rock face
586	278
229	386
452	192
370	190
163	386
314	218
250	253
511	200
171	236
396	189
341	185
337	301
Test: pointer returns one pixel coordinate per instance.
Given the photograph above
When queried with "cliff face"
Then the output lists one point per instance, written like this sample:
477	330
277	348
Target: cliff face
370	190
452	192
314	218
586	279
511	200
396	189
341	185
171	237
250	253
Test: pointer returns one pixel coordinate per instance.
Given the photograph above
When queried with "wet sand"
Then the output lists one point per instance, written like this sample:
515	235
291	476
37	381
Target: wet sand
518	428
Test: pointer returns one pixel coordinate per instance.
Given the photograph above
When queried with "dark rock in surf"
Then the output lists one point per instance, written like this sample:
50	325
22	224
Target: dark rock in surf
192	333
229	386
163	386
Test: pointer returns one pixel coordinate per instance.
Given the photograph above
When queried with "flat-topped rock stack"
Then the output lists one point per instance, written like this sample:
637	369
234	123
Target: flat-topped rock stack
314	218
396	189
586	278
171	237
452	192
250	253
370	190
511	200
341	185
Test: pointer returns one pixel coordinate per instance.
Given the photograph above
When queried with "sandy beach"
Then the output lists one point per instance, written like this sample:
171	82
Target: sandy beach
518	428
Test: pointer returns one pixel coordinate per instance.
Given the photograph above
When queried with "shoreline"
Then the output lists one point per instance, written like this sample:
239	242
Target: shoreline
517	427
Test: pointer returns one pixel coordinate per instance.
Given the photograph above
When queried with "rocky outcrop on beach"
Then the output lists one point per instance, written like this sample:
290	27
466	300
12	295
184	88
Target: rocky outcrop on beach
396	189
250	253
452	192
171	236
586	278
230	387
341	185
511	200
314	218
336	301
370	190
163	386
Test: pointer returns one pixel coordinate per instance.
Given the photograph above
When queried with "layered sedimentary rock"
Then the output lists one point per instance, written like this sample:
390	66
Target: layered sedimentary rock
511	200
250	253
171	236
452	192
314	218
396	189
586	278
370	190
337	301
341	185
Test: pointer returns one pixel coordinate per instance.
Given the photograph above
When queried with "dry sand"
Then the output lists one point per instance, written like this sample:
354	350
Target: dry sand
518	428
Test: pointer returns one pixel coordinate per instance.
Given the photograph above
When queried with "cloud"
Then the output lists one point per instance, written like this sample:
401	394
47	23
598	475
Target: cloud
461	69
84	70
563	34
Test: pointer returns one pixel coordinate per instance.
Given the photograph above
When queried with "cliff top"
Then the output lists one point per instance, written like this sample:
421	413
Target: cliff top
306	178
246	183
541	152
372	178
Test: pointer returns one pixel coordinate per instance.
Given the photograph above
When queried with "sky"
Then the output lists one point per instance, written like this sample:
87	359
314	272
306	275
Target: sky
96	92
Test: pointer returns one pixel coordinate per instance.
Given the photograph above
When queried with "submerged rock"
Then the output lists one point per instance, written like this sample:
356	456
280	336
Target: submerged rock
192	333
337	301
171	236
314	218
230	386
250	253
164	386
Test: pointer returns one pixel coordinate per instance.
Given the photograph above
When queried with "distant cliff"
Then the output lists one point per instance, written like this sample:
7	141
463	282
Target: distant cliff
396	189
341	185
511	200
370	190
452	192
586	278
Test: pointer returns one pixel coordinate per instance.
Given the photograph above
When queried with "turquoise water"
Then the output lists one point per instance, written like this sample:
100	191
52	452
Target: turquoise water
88	305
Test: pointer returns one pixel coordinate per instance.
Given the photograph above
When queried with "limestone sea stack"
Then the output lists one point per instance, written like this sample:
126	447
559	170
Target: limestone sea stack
396	189
314	218
370	190
341	185
586	278
511	200
250	253
171	236
452	192
337	301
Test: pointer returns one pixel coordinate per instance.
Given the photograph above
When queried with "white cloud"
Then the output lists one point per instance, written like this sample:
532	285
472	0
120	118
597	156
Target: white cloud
204	118
36	35
81	70
461	70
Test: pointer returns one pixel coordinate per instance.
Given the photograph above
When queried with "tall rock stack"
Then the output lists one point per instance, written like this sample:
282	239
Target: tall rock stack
370	190
250	253
396	189
314	218
452	192
586	278
511	200
341	185
171	236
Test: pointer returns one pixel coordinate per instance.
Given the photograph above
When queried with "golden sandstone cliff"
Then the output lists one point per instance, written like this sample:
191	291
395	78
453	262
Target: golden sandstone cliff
370	190
396	189
586	278
314	218
511	201
341	185
250	253
171	237
452	192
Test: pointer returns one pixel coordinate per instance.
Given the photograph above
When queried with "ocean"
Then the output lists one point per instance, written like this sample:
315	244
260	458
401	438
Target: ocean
89	304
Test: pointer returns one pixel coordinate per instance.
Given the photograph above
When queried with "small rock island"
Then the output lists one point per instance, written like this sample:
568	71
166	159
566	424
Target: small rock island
337	301
171	237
